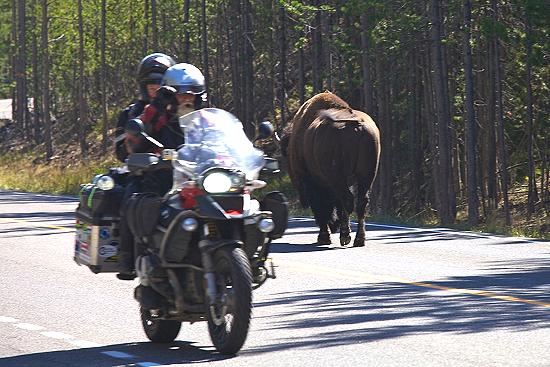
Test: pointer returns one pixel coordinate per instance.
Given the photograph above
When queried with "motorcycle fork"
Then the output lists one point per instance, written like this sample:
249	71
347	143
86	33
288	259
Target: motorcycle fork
208	266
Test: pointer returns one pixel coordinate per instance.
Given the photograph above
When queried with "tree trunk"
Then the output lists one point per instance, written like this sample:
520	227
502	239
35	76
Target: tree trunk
46	81
385	192
219	76
317	52
233	47
471	133
415	131
366	21
36	76
82	118
154	27
532	196
21	73
14	60
326	25
430	118
248	70
491	172
204	43
186	42
282	63
502	153
446	188
301	76
146	27
104	76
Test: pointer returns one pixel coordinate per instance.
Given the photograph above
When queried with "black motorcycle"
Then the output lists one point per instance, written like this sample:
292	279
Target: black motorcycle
204	246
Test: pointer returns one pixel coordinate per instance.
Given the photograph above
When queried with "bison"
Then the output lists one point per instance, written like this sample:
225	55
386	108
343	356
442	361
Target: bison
332	154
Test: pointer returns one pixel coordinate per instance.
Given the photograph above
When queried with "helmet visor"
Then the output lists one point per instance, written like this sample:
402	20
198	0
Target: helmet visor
152	78
189	89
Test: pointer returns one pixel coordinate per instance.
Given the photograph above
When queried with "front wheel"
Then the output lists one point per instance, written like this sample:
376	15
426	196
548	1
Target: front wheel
229	316
159	331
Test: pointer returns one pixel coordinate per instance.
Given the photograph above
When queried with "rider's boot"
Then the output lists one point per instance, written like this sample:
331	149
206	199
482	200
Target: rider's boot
127	271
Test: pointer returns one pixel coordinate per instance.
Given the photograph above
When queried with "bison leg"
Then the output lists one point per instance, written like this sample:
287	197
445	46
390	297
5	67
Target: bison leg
345	230
324	236
360	209
322	206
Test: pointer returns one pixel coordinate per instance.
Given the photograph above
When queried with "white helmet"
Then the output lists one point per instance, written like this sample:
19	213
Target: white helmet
185	78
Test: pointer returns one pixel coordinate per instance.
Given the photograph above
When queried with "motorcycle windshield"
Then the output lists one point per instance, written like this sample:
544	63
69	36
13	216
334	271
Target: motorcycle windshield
215	138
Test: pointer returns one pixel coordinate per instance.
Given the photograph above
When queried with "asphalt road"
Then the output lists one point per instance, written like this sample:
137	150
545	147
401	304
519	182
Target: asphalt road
411	297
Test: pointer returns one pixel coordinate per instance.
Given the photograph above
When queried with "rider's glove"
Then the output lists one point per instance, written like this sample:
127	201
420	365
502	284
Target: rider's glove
166	96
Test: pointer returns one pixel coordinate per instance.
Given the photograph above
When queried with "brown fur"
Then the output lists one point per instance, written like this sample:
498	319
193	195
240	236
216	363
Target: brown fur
331	148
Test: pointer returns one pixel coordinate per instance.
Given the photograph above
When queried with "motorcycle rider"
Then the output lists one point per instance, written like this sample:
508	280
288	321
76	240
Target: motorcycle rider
149	76
183	90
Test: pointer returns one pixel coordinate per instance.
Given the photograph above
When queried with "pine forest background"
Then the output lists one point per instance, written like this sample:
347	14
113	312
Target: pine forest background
458	88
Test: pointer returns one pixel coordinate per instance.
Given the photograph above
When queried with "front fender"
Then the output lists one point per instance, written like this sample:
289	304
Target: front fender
210	246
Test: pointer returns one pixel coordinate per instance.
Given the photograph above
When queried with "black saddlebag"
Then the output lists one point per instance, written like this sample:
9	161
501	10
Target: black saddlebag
98	202
277	203
143	212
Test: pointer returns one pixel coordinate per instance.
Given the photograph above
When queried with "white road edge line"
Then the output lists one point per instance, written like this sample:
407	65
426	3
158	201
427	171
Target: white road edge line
26	326
8	319
57	335
76	342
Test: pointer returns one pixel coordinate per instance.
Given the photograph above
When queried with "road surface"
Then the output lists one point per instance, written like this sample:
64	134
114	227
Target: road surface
411	297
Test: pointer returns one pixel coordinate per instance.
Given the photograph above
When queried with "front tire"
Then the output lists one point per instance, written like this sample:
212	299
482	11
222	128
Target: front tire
229	317
159	331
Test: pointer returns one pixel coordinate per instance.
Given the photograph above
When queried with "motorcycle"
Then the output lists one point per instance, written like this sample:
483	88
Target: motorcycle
204	246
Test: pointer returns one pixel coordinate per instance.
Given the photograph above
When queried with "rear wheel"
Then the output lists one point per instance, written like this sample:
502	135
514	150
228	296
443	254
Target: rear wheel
159	331
229	317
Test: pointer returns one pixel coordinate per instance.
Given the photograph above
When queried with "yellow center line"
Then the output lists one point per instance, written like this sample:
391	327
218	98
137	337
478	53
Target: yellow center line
359	276
28	222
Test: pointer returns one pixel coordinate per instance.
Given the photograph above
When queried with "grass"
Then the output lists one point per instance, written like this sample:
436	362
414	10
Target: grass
20	173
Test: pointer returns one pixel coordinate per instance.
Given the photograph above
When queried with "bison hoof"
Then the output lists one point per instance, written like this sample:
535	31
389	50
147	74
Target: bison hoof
345	239
359	242
324	238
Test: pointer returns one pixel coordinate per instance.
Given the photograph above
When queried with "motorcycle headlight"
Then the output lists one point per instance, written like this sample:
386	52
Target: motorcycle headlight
105	183
218	182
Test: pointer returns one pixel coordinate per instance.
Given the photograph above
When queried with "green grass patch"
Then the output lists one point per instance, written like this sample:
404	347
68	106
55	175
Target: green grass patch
19	173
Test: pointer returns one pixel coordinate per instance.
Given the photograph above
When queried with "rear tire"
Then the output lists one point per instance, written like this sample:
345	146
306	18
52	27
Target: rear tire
159	331
228	330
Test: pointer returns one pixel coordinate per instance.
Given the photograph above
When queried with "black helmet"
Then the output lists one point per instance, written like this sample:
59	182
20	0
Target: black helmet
151	70
187	79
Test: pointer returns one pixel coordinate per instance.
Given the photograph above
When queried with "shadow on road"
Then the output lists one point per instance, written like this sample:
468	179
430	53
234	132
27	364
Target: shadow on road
36	224
50	216
404	235
13	197
280	248
148	354
376	311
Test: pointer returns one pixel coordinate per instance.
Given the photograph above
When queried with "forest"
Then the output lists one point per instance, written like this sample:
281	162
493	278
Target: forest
459	88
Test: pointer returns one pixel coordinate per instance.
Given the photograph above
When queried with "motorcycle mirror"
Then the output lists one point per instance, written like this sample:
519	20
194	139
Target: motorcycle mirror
265	130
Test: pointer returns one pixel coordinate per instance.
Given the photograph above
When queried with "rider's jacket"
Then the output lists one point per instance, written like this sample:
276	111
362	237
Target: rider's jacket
163	126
